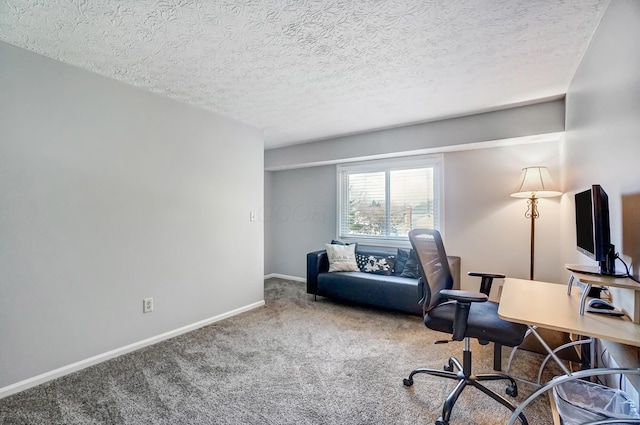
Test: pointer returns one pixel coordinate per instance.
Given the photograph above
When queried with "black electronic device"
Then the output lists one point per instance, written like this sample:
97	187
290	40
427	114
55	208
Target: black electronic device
601	304
596	291
593	234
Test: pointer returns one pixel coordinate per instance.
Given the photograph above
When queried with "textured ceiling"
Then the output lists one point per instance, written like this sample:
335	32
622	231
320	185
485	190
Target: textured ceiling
311	69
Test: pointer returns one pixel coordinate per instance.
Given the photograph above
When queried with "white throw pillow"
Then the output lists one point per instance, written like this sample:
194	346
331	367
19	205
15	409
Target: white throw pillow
342	258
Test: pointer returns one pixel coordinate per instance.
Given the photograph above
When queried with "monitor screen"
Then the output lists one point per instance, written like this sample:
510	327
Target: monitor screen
593	235
584	224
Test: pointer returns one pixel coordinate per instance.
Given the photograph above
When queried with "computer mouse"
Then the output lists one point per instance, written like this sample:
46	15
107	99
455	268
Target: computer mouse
601	304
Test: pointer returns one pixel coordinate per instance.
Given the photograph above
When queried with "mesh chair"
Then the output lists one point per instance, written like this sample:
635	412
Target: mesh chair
463	314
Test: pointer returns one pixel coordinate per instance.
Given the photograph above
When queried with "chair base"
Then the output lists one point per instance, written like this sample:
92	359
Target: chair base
465	378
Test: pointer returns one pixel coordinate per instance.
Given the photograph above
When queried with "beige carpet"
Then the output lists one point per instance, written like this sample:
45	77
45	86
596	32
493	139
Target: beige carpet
294	361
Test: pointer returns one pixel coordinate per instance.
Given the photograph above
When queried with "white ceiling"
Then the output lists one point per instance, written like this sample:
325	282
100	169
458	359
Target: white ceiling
311	69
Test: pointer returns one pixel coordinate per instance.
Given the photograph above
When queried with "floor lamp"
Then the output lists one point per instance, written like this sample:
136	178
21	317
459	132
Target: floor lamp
535	182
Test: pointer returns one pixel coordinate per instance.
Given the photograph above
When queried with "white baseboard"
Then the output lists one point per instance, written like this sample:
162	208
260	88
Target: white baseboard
82	364
286	277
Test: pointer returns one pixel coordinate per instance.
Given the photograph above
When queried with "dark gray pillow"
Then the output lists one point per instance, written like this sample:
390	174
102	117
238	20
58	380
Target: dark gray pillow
411	267
401	259
337	242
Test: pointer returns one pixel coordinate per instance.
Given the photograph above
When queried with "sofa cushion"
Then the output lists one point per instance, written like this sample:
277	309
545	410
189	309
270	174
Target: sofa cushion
389	292
378	264
342	258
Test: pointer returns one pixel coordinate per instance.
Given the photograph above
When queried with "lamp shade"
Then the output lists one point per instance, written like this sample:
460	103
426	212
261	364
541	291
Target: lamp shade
536	182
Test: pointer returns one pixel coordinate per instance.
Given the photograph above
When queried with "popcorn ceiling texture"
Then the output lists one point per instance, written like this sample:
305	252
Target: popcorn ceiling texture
311	69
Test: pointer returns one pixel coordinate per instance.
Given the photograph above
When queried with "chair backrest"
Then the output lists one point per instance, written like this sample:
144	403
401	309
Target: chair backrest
433	265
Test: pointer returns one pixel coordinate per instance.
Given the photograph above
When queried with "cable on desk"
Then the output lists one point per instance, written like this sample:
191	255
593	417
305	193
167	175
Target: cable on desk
603	363
626	267
606	365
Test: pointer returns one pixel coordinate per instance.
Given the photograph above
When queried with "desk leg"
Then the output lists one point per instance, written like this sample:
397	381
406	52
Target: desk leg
497	356
592	353
550	351
560	348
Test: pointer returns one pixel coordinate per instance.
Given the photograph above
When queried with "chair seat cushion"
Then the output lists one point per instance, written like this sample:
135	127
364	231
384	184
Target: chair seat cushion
483	323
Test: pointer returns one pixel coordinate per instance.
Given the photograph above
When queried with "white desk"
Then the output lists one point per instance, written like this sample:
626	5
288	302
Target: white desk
548	305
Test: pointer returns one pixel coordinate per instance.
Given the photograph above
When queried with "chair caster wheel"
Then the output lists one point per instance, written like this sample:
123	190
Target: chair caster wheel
441	421
448	367
407	382
512	391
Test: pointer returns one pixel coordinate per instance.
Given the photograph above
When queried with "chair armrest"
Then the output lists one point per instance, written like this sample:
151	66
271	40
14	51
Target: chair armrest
487	280
463	301
491	275
317	262
464	296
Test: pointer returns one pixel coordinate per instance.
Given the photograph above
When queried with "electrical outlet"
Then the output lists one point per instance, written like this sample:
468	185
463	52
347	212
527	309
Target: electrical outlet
252	216
147	305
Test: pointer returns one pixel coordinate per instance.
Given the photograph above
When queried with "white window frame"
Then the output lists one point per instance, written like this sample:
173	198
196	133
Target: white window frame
434	161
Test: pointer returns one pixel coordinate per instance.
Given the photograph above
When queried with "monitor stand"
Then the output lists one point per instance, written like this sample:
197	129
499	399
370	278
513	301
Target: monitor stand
592	270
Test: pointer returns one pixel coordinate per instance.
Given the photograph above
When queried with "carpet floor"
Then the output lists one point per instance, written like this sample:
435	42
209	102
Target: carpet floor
294	361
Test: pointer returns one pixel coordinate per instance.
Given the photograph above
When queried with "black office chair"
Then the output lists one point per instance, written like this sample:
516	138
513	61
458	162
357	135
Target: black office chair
463	314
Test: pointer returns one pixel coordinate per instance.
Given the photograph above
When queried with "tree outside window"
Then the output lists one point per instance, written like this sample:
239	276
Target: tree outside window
387	202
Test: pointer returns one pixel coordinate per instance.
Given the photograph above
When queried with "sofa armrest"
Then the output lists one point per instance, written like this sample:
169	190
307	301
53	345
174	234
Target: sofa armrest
317	262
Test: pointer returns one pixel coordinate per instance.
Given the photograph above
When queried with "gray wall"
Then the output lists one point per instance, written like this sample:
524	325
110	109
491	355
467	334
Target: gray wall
602	144
110	194
603	113
455	133
269	230
486	227
301	216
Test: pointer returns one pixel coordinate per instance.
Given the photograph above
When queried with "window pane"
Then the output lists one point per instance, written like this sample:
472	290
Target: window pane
380	201
366	198
412	200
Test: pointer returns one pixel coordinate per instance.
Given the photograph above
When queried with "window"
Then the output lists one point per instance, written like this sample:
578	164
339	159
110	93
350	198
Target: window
382	200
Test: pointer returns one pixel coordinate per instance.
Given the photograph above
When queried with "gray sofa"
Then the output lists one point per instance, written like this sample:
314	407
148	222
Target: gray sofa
396	291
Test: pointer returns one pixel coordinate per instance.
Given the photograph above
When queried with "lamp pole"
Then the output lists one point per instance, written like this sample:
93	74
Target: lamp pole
532	213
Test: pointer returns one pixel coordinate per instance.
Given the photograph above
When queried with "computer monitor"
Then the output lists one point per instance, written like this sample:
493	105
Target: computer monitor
593	235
